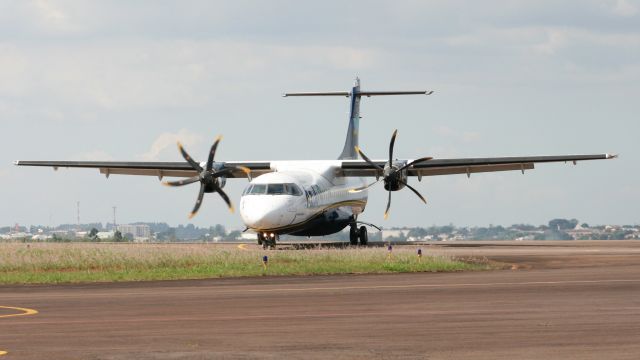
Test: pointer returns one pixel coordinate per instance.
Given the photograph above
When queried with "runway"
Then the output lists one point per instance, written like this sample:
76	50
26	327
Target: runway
557	301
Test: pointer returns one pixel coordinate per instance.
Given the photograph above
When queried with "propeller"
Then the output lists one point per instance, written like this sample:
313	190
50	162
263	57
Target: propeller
393	175
208	177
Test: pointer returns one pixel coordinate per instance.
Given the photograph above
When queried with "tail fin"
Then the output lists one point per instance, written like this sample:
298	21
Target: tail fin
350	143
349	152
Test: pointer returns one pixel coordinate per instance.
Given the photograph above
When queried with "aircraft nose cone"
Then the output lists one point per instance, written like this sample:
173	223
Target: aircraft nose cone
260	213
254	217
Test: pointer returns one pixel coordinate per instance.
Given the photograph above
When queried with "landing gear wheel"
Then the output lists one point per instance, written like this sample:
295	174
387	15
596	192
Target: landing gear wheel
353	235
364	237
269	243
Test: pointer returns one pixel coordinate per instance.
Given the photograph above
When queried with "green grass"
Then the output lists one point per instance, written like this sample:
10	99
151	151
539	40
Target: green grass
80	262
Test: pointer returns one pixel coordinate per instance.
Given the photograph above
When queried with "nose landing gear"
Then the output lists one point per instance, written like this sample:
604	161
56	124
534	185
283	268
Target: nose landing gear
268	241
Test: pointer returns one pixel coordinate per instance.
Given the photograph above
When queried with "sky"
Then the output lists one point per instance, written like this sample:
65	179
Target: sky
108	80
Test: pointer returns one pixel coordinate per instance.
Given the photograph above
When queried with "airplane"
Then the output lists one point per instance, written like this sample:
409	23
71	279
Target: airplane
312	197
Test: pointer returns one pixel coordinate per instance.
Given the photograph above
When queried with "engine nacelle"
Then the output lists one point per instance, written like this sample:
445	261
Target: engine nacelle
222	181
210	185
395	180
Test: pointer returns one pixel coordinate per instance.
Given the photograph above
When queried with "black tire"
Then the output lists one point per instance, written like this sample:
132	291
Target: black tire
268	244
364	236
353	236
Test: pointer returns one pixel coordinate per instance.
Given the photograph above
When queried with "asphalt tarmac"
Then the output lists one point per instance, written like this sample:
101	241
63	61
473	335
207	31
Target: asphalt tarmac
560	300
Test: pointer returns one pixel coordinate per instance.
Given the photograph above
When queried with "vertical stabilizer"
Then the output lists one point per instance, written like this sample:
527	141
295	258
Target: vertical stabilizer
349	151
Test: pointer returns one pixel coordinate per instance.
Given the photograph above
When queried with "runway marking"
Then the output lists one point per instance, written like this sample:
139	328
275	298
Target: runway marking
242	247
275	316
24	312
414	286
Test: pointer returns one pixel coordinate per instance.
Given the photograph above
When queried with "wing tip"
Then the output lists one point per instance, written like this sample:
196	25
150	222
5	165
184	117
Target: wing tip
612	156
16	163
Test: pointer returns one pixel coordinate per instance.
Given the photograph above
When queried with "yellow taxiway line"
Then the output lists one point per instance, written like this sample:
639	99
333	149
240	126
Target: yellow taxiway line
23	312
242	247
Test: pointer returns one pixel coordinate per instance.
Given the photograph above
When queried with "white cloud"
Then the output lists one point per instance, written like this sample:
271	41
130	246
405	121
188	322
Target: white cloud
51	16
14	75
546	40
625	8
170	73
168	141
555	40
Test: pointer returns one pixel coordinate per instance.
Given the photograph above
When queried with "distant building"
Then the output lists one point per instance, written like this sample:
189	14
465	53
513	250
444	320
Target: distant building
247	236
105	235
394	234
63	234
137	231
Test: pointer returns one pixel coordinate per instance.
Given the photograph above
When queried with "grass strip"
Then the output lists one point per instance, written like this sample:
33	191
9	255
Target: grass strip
81	262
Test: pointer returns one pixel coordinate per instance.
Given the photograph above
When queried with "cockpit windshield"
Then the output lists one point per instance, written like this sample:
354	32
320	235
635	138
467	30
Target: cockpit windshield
276	189
273	189
258	189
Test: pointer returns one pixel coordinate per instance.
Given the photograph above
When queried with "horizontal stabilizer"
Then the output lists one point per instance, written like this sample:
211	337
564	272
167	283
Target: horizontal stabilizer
327	93
378	93
359	93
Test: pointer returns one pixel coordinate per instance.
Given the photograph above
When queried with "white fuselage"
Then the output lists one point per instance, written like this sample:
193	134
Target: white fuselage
300	195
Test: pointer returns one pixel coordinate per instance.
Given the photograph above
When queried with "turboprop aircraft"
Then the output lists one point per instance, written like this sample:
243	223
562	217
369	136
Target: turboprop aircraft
315	197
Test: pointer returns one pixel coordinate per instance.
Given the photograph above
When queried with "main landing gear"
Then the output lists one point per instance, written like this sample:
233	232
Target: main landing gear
356	234
268	241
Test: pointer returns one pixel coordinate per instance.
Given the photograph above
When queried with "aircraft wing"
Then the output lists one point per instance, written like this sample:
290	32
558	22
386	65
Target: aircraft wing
467	166
153	168
349	168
